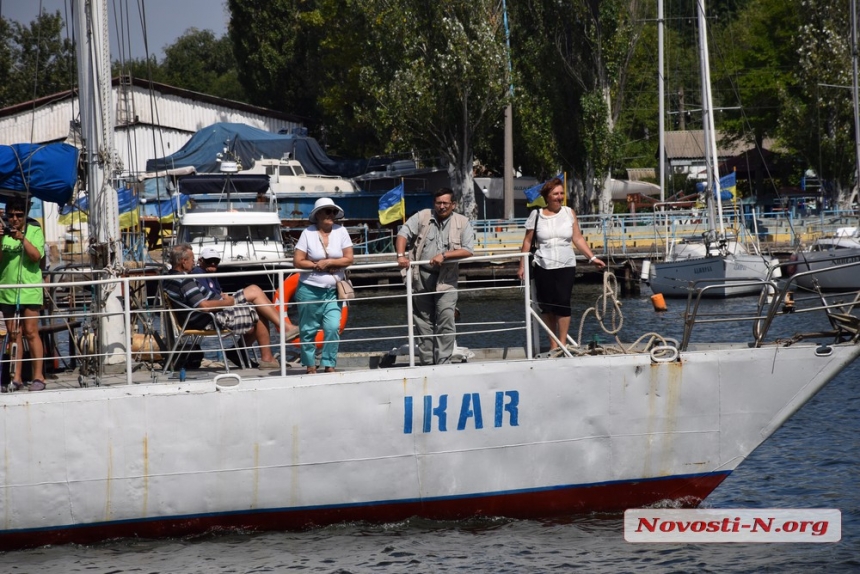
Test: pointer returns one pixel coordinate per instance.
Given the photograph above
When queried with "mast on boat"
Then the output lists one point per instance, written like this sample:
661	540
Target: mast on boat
97	127
854	95
712	189
661	107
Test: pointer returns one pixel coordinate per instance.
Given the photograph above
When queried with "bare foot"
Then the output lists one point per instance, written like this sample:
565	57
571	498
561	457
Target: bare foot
312	370
329	369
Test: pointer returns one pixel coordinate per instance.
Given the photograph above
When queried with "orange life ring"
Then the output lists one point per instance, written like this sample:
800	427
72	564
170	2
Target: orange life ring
289	287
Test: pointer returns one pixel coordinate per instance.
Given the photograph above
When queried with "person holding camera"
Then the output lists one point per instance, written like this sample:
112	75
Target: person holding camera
22	246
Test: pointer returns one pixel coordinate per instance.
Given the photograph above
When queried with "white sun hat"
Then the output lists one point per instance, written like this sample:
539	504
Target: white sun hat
323	203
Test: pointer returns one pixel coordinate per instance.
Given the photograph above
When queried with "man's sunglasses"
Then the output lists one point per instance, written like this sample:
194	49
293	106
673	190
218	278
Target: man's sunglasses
211	262
16	214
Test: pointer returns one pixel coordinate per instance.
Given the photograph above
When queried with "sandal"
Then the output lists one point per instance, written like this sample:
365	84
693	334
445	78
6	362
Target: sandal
329	370
37	385
15	386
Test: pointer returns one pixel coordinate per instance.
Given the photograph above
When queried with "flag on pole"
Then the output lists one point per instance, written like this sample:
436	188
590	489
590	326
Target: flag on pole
728	183
533	195
392	206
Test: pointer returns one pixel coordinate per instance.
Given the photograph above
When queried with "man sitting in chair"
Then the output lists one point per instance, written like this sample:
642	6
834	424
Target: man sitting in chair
247	312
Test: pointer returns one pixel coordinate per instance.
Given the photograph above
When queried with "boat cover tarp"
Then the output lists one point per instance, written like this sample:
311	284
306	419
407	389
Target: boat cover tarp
248	144
127	201
46	171
219	183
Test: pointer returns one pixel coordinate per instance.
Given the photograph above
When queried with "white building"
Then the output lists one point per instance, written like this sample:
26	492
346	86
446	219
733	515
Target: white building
152	120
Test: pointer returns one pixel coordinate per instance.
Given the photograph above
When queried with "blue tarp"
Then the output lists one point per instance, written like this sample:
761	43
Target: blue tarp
126	199
47	171
247	144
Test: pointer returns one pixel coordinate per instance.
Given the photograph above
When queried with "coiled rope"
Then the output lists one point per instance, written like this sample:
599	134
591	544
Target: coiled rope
607	311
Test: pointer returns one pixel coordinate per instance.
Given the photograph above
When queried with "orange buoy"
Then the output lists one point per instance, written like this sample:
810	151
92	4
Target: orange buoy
659	302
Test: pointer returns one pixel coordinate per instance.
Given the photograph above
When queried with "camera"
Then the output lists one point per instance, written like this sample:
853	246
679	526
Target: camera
7	229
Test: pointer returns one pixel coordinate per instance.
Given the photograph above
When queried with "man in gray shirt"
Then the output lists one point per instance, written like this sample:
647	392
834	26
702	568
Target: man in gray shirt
441	237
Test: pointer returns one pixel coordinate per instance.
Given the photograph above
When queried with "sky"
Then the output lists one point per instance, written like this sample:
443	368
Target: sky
166	20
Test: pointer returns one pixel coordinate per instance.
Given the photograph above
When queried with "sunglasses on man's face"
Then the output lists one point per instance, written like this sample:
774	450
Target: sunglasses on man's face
211	262
15	215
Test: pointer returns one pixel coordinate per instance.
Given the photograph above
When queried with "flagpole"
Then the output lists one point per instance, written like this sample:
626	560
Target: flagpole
564	187
403	200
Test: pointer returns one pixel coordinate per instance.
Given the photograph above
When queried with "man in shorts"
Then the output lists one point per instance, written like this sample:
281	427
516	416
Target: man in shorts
247	312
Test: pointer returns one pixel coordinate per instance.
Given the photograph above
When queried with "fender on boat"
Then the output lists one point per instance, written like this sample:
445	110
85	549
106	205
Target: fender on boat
792	268
288	289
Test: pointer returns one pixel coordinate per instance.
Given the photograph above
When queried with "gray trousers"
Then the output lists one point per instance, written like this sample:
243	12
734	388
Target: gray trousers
433	315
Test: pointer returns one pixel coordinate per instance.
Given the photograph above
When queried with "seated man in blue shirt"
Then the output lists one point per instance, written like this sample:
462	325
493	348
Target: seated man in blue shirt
240	312
208	263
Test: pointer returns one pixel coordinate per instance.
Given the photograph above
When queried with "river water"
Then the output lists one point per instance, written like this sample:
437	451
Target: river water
810	462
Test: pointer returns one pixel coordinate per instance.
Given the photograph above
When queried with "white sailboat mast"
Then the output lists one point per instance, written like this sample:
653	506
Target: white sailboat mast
854	97
97	125
661	95
712	189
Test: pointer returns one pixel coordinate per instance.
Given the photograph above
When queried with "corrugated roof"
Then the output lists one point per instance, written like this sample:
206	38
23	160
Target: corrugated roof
641	173
690	144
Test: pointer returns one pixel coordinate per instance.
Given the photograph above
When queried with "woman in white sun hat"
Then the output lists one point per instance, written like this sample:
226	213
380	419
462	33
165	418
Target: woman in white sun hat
326	249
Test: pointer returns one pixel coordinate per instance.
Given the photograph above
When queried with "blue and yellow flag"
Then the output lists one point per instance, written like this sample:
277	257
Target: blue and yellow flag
392	206
533	196
129	215
729	183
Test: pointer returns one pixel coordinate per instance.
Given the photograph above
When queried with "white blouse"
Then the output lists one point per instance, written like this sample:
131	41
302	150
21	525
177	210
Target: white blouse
311	243
554	237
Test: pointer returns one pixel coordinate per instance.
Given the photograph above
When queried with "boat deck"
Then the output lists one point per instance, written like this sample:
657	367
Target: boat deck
72	363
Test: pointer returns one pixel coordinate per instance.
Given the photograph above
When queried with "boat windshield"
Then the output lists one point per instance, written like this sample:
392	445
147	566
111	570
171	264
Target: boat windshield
292	170
192	234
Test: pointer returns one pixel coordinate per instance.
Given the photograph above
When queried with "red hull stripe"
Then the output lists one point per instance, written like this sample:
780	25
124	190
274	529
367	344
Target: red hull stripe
688	490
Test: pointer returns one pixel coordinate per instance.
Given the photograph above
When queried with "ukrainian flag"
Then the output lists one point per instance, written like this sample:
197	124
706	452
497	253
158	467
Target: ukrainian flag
129	215
729	183
533	196
392	206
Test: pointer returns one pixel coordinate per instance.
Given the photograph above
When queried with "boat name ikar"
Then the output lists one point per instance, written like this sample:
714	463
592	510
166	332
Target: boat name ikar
703	269
470	408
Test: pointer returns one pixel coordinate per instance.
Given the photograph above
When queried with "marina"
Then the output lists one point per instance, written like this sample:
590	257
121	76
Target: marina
795	468
100	484
171	410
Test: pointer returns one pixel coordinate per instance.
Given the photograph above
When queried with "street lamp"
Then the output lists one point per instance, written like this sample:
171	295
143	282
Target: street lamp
485	191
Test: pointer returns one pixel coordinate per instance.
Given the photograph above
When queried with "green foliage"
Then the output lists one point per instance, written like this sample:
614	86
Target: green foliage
200	62
819	108
602	143
277	45
36	60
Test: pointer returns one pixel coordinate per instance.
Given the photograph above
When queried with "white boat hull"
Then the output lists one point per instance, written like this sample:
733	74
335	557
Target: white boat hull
678	278
515	438
842	279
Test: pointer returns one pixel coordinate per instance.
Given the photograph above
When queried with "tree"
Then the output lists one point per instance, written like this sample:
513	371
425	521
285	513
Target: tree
757	53
437	74
39	60
579	72
198	61
817	119
276	45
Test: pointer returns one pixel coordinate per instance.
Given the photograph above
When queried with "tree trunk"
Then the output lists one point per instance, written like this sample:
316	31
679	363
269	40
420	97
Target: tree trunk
460	165
605	206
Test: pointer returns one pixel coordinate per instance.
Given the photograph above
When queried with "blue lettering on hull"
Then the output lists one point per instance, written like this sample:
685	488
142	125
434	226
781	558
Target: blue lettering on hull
470	415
